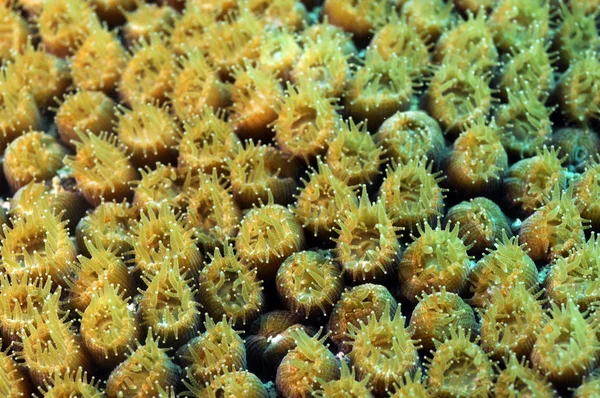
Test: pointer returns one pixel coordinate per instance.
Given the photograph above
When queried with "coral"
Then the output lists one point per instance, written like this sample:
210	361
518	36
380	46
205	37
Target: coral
477	161
92	274
437	315
555	228
567	347
518	379
227	287
459	368
258	171
380	88
353	155
268	235
578	146
160	235
530	180
64	24
149	73
168	305
511	322
216	351
456	94
575	276
587	192
346	387
437	258
12	378
411	194
72	383
148	132
383	350
50	345
355	307
359	17
108	326
367	245
576	33
578	91
480	222
208	143
212	212
411	135
101	168
323	197
147	369
519	22
89	112
38	245
34	156
428	17
99	61
237	383
147	19
307	121
525	122
161	185
324	64
256	96
505	266
197	86
309	283
14	37
305	368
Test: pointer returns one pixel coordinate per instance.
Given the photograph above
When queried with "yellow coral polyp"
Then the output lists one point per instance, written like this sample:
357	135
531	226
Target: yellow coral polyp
213	212
380	88
227	287
161	235
256	96
437	258
367	245
555	228
197	86
459	367
267	236
309	283
35	156
148	131
567	347
38	245
109	326
306	122
168	305
99	61
207	143
101	168
306	367
149	73
412	195
259	171
575	276
103	266
511	322
323	197
384	350
353	156
21	299
64	24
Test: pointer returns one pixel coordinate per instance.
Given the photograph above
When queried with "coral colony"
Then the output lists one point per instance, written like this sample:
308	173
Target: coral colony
299	198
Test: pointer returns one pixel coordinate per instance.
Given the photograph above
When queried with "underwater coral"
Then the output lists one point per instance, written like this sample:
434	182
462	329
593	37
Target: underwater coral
299	198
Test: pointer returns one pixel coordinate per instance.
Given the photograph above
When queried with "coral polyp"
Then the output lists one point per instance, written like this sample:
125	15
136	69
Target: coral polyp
384	350
367	245
437	258
305	368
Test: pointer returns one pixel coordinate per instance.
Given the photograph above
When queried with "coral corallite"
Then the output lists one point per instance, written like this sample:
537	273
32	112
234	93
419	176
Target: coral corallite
367	245
437	258
309	283
306	367
267	236
384	350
